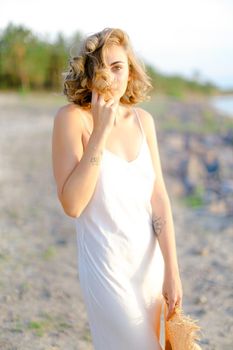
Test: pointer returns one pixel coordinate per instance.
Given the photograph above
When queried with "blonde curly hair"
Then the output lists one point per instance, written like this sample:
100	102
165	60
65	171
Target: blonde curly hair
88	70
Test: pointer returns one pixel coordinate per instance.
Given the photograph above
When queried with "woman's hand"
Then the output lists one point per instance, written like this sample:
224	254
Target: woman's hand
172	291
104	112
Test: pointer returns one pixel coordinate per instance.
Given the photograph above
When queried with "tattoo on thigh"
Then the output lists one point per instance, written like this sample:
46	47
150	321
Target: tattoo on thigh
158	224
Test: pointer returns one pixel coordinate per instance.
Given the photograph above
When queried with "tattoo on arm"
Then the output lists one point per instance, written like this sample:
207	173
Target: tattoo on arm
95	160
158	224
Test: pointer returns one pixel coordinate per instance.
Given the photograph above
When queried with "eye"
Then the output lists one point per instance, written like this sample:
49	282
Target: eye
117	67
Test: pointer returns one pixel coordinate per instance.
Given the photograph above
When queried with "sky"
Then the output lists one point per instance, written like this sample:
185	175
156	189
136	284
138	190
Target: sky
183	37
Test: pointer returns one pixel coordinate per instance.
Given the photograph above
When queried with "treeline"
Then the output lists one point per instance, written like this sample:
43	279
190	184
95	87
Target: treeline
30	62
176	85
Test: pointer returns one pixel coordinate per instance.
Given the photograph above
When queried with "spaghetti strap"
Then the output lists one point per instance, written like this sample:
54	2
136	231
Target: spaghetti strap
139	121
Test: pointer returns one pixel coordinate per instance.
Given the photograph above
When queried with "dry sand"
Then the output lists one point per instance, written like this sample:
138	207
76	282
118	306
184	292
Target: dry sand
40	298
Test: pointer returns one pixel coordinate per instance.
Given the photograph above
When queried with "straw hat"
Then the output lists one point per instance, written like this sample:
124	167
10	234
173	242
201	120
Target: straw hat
180	331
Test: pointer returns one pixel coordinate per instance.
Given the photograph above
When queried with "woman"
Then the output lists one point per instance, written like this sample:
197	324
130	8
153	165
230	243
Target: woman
109	178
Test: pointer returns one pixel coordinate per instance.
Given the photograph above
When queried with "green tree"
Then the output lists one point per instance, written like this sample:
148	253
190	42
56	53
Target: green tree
13	47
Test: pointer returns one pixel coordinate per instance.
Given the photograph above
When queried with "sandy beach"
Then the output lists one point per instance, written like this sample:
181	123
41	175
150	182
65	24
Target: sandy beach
40	298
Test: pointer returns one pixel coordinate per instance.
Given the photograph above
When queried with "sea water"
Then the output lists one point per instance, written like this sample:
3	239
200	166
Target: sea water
223	104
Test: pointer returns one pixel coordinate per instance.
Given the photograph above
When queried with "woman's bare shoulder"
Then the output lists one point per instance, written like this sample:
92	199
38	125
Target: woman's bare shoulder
68	131
68	114
147	120
67	146
148	123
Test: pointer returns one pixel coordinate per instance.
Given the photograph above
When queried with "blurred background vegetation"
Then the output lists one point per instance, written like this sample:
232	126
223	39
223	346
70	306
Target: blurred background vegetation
29	62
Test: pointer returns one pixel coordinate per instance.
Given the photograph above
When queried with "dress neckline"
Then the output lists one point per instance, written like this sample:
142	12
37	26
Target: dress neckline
110	153
113	154
107	151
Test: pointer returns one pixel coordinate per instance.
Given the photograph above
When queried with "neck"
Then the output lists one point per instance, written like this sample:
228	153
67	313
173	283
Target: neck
122	113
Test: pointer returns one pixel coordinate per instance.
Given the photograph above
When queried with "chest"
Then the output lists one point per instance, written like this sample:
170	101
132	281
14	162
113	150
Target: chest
124	141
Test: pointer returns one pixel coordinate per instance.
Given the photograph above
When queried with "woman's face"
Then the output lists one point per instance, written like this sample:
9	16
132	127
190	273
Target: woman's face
117	63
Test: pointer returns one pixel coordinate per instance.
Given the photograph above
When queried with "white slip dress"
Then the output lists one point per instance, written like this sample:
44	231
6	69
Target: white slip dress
120	264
